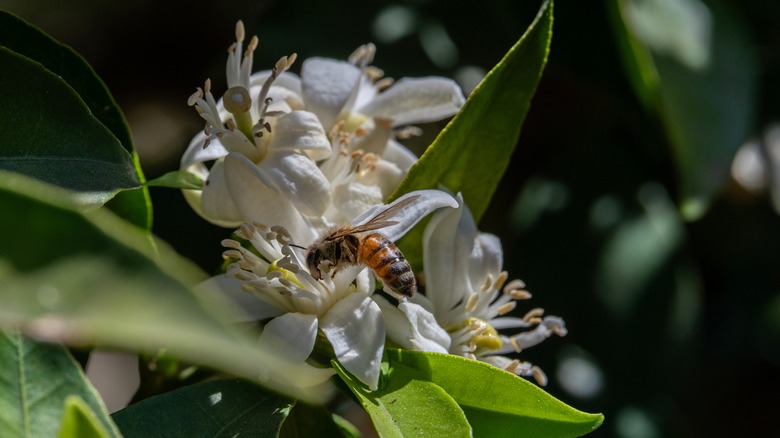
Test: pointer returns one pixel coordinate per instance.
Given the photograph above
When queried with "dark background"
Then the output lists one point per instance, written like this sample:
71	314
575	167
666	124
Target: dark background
673	325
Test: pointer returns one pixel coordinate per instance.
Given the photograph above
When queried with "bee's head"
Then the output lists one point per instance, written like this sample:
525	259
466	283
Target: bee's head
313	261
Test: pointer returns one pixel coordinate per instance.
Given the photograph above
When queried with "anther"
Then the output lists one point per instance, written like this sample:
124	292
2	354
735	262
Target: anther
518	294
384	83
513	366
514	284
471	303
207	86
500	280
193	99
534	316
486	285
506	308
252	46
240	34
539	375
513	342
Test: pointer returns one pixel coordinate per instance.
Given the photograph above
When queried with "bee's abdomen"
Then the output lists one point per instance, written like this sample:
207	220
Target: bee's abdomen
388	263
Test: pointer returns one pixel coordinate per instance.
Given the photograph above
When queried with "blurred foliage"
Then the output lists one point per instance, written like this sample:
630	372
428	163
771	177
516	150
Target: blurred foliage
678	321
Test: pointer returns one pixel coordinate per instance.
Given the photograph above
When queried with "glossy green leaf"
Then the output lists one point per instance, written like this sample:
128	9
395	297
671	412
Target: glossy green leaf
36	379
86	279
79	420
472	152
306	421
407	406
496	403
91	159
226	408
692	65
178	180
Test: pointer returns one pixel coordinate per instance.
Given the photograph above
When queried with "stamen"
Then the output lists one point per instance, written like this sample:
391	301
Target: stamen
471	303
518	294
240	34
514	284
539	375
506	308
486	285
408	132
534	316
193	99
513	342
375	74
252	46
207	86
513	366
500	280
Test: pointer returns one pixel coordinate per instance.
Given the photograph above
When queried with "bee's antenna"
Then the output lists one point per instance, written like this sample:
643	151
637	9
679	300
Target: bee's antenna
297	246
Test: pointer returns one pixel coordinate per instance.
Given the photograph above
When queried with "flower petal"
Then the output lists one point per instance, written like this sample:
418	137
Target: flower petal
445	257
355	329
247	306
352	199
259	203
289	340
406	218
195	152
416	100
400	155
214	203
296	177
301	130
288	80
486	257
412	327
326	86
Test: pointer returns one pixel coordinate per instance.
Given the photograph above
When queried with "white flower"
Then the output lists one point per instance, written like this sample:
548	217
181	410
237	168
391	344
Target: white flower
465	291
363	114
264	160
339	305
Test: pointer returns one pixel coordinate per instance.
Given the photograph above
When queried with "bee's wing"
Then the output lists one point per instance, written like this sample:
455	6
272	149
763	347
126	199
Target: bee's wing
380	220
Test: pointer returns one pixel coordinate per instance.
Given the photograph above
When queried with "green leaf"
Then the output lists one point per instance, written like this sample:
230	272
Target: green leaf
472	152
497	403
307	421
703	90
36	379
178	179
79	420
407	406
230	407
54	134
85	279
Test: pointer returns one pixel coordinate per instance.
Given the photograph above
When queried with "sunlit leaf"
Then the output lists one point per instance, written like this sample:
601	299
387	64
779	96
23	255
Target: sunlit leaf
178	180
472	152
69	84
85	279
692	65
407	406
496	403
36	379
79	420
216	408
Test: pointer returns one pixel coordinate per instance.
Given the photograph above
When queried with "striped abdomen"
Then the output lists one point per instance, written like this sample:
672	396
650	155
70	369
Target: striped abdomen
388	263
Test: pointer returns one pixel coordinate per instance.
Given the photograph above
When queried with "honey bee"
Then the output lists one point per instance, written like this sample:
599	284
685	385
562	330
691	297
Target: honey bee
345	246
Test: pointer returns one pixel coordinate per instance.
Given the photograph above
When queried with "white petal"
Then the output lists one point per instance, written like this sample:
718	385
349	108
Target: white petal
352	199
296	177
216	202
326	86
196	154
416	100
247	307
486	257
355	329
378	133
428	201
258	203
290	336
441	260
301	130
397	153
384	175
412	327
289	340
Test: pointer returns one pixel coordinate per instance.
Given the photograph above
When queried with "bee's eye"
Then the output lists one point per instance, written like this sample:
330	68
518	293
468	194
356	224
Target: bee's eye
338	252
311	258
